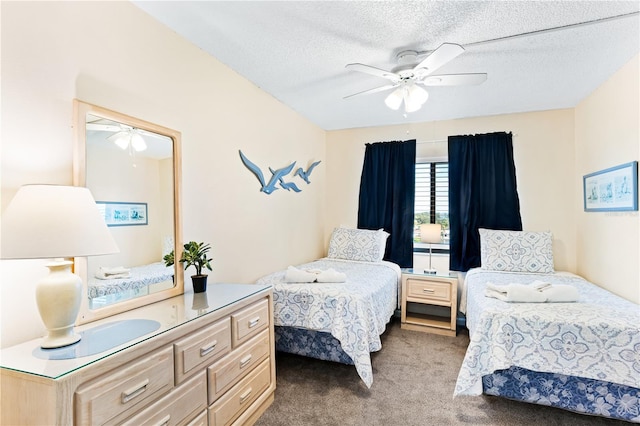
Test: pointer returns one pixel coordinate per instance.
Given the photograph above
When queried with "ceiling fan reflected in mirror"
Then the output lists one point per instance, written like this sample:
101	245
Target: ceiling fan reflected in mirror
125	137
407	79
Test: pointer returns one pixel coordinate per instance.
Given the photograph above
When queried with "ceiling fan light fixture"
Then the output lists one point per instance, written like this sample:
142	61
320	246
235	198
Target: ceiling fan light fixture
418	94
394	100
137	142
411	105
122	141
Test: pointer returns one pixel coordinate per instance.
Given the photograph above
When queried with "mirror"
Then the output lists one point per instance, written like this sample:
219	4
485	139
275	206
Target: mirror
132	168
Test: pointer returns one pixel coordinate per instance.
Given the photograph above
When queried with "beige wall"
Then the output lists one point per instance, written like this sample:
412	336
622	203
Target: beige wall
544	157
607	134
114	55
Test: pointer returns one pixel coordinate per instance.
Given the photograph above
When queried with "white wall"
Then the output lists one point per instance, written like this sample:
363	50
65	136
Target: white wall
608	134
544	158
114	55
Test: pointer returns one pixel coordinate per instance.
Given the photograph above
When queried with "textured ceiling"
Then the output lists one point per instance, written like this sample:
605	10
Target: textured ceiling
297	51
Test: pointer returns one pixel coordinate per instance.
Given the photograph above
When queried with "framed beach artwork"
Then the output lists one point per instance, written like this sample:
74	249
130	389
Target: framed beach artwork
612	189
123	214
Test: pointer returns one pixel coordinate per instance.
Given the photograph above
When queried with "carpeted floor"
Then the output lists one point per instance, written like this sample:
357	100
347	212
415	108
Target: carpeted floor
413	380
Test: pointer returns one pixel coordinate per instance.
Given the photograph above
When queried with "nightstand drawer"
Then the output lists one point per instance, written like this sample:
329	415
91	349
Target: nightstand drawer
428	290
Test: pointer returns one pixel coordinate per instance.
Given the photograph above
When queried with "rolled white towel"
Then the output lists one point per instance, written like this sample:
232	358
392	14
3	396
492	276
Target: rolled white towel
331	276
561	293
515	293
295	275
102	276
537	292
113	270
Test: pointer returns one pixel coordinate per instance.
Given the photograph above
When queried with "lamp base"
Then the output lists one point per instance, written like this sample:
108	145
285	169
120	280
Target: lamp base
59	338
58	296
430	271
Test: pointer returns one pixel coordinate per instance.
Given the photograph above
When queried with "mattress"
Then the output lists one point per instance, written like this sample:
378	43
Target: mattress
355	312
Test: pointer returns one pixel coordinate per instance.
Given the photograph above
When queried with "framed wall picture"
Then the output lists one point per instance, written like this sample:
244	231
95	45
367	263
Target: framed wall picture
123	214
612	189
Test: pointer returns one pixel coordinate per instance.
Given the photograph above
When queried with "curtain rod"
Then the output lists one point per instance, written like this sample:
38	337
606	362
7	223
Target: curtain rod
446	140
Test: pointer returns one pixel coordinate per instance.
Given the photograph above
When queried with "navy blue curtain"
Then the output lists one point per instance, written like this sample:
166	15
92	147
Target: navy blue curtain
482	193
387	194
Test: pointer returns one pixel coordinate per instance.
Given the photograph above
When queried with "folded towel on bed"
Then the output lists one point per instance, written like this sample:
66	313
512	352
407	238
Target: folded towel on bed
295	275
107	273
536	292
331	276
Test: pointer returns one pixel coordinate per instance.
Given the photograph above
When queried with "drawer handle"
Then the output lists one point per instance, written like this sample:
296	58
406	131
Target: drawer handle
428	290
128	395
245	395
254	322
165	420
244	361
207	349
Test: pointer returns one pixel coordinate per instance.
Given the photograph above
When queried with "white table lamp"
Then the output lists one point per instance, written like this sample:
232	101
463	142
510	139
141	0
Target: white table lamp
430	233
53	221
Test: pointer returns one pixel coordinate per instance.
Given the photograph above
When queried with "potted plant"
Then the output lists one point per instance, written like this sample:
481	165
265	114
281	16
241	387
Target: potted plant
194	254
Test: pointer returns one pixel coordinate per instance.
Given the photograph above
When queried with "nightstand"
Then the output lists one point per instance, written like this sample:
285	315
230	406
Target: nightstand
431	290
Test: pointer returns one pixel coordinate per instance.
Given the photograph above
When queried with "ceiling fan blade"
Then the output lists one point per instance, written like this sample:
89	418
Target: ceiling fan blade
367	69
375	90
117	135
454	79
104	127
439	57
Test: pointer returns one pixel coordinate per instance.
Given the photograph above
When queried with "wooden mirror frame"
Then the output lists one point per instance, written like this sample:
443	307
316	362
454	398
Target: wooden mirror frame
80	111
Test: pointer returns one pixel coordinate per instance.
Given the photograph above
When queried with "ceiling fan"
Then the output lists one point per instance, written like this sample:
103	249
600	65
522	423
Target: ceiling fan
408	78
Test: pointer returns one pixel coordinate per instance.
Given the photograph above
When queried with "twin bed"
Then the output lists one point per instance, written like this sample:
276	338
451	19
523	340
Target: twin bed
341	321
583	355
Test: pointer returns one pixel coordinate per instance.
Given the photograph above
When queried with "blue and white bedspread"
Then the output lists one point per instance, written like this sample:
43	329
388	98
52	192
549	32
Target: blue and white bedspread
597	337
355	312
140	276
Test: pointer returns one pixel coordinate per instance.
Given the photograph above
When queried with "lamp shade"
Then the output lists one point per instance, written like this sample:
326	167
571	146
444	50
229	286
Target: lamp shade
54	221
394	99
431	233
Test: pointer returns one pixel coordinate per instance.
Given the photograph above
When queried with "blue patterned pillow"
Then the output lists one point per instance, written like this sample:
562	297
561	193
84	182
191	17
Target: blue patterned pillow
357	244
516	251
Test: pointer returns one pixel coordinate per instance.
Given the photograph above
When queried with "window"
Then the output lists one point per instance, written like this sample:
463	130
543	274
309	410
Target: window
432	201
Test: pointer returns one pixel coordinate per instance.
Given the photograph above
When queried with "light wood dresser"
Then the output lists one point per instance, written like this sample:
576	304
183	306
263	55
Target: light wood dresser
210	362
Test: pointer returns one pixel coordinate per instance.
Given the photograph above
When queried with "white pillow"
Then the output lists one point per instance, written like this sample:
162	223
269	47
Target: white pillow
357	244
516	251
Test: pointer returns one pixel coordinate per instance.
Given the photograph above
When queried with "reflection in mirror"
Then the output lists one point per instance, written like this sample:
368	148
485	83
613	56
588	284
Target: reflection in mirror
130	166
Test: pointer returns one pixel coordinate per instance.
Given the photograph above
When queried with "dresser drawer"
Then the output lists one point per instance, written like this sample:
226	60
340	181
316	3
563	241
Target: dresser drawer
428	290
248	322
177	408
224	373
118	394
200	420
242	395
202	348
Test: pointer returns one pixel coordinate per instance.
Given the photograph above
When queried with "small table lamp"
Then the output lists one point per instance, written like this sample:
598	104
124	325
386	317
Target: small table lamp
52	221
430	233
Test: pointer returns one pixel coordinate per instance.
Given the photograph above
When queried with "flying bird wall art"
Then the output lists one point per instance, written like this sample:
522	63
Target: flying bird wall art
277	176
